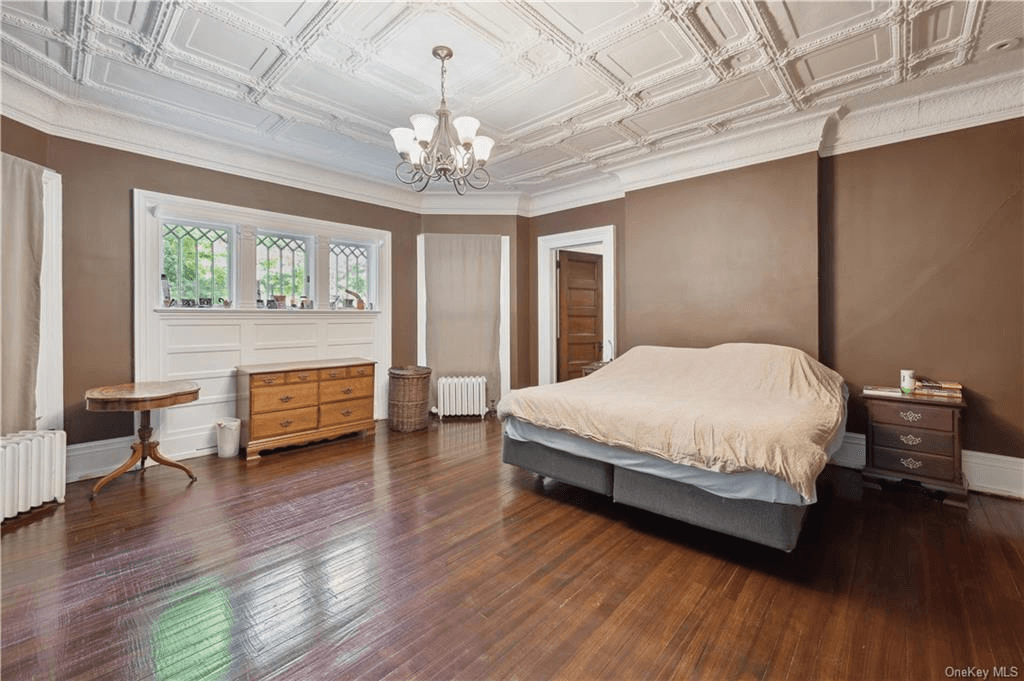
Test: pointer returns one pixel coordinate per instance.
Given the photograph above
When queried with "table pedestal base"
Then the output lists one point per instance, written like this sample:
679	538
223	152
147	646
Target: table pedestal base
140	451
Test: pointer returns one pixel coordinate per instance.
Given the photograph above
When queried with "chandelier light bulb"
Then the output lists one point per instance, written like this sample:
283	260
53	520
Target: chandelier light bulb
439	148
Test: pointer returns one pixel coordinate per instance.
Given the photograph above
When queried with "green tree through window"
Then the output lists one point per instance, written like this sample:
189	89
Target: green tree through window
281	266
196	261
349	269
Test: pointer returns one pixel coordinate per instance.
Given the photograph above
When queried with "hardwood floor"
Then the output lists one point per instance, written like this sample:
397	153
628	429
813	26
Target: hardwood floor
422	556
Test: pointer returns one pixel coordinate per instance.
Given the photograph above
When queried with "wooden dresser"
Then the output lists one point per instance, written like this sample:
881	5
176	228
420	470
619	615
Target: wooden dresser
917	438
293	403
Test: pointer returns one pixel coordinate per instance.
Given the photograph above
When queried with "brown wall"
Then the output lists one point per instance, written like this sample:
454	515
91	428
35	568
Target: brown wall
912	258
726	257
923	251
97	183
571	220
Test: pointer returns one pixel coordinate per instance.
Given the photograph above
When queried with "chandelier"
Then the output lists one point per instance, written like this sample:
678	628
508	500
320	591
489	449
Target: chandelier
438	148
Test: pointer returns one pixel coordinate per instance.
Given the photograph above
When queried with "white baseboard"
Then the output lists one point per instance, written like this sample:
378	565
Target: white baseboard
95	459
987	473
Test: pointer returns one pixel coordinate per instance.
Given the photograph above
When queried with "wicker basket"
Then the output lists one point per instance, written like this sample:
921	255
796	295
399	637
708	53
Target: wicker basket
408	396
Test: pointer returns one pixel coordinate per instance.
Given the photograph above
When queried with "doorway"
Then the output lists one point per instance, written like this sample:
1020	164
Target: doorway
600	240
580	318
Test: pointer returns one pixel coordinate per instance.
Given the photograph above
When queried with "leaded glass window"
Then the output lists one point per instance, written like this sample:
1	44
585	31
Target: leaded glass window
349	270
197	263
281	267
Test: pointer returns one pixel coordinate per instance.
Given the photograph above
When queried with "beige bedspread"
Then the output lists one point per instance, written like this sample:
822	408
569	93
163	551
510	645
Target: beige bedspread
729	408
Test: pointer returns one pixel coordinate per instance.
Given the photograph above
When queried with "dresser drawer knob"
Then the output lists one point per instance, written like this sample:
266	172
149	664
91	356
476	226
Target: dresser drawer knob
347	391
347	412
333	374
361	372
286	423
911	416
909	439
303	377
286	398
911	463
268	380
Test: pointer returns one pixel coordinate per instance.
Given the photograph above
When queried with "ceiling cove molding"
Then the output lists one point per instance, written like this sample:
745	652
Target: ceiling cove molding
727	151
480	203
51	114
982	102
575	196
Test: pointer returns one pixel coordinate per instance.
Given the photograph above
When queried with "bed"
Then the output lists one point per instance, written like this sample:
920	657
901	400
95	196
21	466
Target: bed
731	438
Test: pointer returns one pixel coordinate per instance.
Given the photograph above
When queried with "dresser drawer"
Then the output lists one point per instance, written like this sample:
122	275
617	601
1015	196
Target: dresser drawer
917	463
349	411
913	439
258	380
346	390
917	415
334	373
280	397
283	422
360	370
304	376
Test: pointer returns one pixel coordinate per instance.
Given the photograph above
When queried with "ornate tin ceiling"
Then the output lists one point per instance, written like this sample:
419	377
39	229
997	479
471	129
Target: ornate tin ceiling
571	91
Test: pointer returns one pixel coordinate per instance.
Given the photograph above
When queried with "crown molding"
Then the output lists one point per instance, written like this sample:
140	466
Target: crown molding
980	102
827	131
55	115
479	203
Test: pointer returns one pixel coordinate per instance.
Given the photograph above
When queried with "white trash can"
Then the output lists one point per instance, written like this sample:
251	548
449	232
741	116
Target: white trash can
228	431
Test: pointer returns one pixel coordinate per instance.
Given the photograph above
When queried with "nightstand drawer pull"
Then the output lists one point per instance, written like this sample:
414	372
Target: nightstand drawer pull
911	416
288	422
346	412
270	380
303	377
909	439
286	398
347	391
911	463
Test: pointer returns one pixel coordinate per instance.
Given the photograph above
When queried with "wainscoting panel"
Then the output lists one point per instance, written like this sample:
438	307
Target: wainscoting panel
205	346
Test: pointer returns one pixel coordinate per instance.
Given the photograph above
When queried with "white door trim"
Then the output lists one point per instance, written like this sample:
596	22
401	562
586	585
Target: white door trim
547	293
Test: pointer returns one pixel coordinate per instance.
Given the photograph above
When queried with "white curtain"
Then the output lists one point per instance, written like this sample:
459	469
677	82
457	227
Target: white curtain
463	287
21	256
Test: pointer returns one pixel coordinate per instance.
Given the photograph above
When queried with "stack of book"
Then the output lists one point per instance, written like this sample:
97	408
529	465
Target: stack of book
950	389
925	388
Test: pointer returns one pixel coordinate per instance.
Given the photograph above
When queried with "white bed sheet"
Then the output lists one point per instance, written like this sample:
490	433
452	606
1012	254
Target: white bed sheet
745	485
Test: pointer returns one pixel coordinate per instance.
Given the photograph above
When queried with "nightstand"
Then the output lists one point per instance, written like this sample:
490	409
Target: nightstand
917	438
592	367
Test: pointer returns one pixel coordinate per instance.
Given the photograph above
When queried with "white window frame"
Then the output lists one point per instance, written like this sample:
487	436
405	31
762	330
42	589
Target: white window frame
232	230
152	209
372	259
310	255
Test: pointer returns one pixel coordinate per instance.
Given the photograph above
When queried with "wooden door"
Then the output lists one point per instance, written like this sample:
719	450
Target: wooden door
580	312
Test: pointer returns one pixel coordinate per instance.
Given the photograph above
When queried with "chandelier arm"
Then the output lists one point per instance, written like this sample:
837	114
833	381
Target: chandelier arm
479	178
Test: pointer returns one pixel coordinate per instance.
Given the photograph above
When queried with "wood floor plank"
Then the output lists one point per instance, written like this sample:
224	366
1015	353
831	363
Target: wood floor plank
422	556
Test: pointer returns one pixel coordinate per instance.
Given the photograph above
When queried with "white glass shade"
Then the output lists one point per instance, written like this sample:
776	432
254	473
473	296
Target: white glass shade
424	125
482	147
466	126
405	140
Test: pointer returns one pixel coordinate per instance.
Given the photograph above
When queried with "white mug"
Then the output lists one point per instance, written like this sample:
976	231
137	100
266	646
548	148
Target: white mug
907	380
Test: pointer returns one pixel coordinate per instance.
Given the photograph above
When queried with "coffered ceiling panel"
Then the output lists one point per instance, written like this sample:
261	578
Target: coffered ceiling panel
718	102
855	55
210	39
572	91
653	50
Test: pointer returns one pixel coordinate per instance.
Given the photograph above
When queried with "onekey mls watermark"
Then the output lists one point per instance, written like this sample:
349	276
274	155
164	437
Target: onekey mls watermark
972	672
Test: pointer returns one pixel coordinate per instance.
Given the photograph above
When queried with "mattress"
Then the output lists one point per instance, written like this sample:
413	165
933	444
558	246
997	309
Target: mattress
755	485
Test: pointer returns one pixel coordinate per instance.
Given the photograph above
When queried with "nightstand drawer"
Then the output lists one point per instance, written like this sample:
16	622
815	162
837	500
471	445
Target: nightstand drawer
916	415
913	439
916	463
